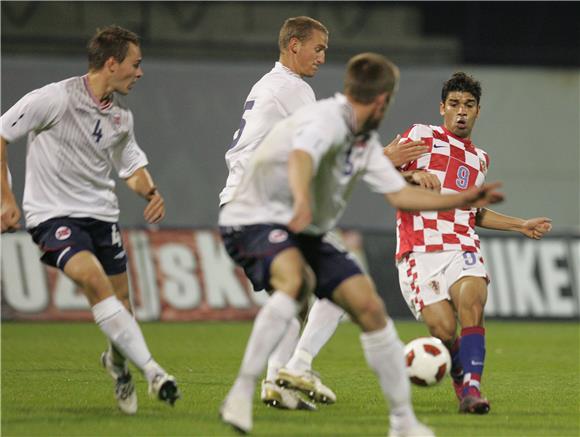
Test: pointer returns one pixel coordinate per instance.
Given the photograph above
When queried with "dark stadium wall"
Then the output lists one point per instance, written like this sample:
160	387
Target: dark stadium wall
187	112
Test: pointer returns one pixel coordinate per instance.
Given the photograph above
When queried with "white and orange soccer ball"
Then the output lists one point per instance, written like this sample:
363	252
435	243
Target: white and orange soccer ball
428	361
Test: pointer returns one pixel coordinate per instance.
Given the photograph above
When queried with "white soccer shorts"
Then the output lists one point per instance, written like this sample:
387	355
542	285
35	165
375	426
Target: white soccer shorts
425	278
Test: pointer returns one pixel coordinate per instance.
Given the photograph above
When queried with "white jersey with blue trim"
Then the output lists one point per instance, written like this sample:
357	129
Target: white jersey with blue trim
73	144
325	131
279	93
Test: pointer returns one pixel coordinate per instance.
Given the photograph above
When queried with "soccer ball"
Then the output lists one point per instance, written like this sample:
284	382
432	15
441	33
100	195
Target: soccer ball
428	361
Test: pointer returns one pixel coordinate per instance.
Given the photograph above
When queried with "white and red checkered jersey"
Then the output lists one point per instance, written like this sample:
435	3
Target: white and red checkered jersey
459	165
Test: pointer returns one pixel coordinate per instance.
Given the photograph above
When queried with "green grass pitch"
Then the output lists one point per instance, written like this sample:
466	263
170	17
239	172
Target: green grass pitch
52	384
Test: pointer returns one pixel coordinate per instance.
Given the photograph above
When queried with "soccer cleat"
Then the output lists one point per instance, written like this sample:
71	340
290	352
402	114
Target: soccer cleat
164	388
307	382
284	398
474	405
417	430
124	388
237	412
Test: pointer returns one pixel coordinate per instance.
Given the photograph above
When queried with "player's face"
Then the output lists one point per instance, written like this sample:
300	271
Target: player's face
459	111
311	53
128	71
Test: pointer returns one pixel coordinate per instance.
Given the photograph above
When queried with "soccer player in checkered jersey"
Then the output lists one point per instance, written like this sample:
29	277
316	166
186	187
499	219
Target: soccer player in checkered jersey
294	191
441	270
78	131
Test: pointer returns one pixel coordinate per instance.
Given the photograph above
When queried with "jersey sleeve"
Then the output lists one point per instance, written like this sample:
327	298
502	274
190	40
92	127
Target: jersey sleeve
381	175
36	111
128	157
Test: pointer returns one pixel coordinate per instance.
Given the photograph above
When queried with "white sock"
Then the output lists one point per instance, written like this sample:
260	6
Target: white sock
323	320
284	350
123	331
384	354
269	327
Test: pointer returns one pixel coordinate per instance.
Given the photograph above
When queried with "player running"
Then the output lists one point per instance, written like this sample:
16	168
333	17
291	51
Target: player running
78	131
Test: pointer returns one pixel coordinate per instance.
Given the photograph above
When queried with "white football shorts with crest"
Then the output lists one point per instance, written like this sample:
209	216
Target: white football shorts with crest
425	278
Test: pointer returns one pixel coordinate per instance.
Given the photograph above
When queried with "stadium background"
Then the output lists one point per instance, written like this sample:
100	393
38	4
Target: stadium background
201	58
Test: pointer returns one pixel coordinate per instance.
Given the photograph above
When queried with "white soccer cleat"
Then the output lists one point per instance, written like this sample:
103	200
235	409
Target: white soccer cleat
164	388
124	388
417	430
284	398
307	382
237	412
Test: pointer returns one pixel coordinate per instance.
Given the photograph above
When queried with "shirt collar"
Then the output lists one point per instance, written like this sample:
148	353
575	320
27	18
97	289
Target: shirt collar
466	141
279	66
101	104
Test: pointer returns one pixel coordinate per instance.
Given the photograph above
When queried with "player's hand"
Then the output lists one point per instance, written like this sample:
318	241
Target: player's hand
426	180
536	227
479	197
155	209
402	153
302	216
10	216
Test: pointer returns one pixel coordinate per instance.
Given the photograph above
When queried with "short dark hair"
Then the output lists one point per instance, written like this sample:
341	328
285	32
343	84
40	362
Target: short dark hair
368	75
109	41
461	82
300	28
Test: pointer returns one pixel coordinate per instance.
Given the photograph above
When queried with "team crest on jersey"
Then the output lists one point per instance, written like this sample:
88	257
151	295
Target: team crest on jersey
434	285
482	165
277	236
62	233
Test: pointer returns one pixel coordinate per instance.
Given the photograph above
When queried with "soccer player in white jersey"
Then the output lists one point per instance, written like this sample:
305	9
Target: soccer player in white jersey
280	92
78	131
294	191
441	271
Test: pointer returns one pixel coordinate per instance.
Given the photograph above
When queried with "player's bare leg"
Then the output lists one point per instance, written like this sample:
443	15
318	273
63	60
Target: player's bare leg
383	351
440	318
293	280
469	295
117	323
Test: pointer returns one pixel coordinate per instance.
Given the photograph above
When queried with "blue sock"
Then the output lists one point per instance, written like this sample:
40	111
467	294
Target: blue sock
472	355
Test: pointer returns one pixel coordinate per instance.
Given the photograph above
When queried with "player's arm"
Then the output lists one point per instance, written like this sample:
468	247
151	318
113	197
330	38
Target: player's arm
404	152
532	228
417	199
141	183
10	212
422	178
300	172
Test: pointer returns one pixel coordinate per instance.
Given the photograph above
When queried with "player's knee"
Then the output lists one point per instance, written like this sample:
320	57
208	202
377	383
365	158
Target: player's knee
373	312
444	331
95	285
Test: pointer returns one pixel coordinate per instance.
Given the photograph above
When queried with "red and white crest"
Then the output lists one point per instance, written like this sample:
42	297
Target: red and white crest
62	233
277	236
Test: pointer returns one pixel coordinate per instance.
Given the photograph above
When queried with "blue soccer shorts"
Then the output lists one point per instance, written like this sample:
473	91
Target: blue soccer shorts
254	247
60	238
